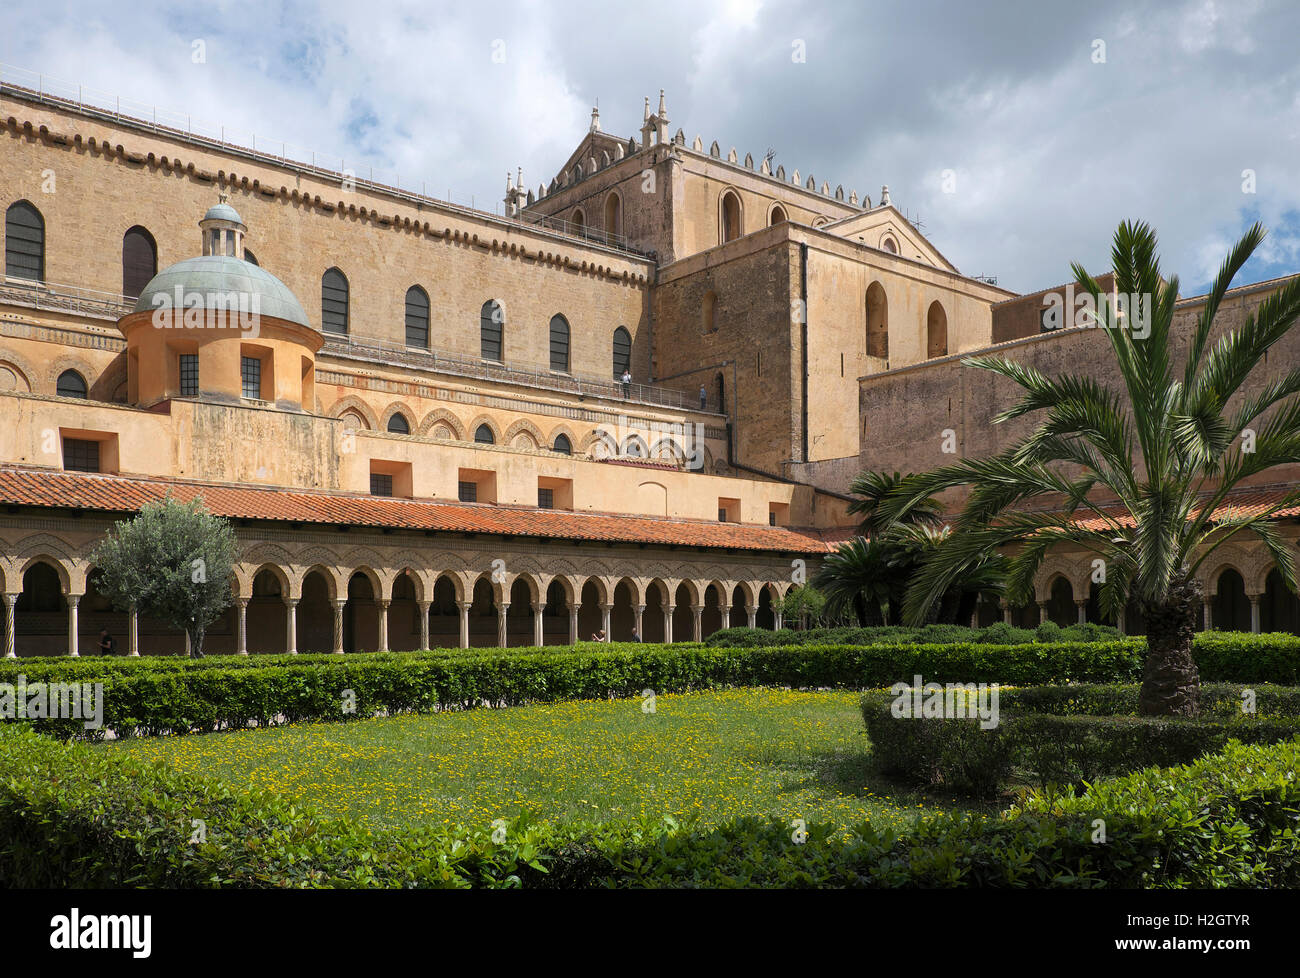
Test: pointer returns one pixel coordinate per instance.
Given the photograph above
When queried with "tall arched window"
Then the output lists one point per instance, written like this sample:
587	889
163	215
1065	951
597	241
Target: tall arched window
483	435
936	331
398	425
417	317
139	261
778	215
491	325
622	351
877	322
559	343
71	384
579	221
24	242
613	214
730	216
334	302
562	445
720	387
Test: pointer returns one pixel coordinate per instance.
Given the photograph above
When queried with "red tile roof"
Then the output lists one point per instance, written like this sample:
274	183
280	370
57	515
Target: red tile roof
117	494
1246	501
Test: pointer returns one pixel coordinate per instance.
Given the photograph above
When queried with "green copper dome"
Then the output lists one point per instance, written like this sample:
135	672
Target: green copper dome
224	274
222	212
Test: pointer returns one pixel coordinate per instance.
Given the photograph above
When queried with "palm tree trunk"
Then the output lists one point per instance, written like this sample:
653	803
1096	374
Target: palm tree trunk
1171	683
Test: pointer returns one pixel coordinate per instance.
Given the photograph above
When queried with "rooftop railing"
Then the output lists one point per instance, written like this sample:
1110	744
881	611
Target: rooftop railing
63	298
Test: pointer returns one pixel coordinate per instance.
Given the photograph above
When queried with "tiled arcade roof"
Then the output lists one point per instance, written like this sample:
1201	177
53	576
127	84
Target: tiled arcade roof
116	494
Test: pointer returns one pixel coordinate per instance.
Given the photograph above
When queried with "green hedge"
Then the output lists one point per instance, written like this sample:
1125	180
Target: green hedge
152	700
156	695
75	816
999	633
1067	735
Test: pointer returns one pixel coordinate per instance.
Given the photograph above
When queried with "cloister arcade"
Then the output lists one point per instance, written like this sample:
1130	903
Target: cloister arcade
1242	590
312	599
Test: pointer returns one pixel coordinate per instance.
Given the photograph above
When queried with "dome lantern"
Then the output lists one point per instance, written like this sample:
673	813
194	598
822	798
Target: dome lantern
223	230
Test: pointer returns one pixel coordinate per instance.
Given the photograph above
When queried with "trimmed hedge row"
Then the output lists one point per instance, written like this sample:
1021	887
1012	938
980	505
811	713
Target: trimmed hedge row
74	816
999	633
169	700
1055	735
1238	657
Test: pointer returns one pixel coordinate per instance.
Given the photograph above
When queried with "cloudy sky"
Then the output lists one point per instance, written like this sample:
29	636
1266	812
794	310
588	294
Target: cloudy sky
1051	121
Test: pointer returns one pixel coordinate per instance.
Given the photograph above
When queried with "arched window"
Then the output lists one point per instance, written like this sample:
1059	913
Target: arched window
720	387
250	258
890	246
562	445
139	261
334	302
491	322
936	331
710	312
877	322
579	221
417	317
559	343
622	351
778	215
71	384
24	242
483	435
398	425
613	214
731	228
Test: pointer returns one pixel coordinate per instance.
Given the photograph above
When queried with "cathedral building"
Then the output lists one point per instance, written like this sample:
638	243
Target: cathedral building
629	402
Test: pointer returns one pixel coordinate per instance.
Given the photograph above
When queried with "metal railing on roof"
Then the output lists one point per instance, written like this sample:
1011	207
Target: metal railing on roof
63	298
457	363
37	86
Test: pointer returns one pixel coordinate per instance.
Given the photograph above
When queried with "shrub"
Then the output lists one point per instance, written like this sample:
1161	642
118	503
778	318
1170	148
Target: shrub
1066	735
75	816
1048	631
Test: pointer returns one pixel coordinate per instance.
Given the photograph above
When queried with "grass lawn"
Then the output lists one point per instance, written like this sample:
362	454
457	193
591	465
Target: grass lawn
702	756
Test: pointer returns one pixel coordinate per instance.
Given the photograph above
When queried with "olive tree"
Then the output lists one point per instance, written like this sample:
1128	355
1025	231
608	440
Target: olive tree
173	561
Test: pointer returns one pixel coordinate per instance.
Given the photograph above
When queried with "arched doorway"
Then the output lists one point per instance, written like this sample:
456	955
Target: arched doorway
1230	605
1279	609
1060	605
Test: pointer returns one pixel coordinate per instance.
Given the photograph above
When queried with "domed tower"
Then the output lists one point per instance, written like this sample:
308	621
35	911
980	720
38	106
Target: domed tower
219	328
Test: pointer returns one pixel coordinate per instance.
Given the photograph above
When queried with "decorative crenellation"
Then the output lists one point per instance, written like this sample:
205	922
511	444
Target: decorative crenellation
654	131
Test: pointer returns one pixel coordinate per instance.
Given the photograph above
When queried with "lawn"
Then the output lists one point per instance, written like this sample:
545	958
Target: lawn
704	757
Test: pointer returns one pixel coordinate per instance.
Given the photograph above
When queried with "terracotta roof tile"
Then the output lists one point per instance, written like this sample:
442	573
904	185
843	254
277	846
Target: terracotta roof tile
117	494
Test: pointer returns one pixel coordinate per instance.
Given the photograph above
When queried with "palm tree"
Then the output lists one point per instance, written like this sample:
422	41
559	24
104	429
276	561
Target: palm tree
1140	477
859	579
872	488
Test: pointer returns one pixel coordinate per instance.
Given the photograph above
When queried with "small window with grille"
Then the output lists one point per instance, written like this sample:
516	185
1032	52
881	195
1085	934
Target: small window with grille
80	455
381	484
189	374
545	498
250	372
467	492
